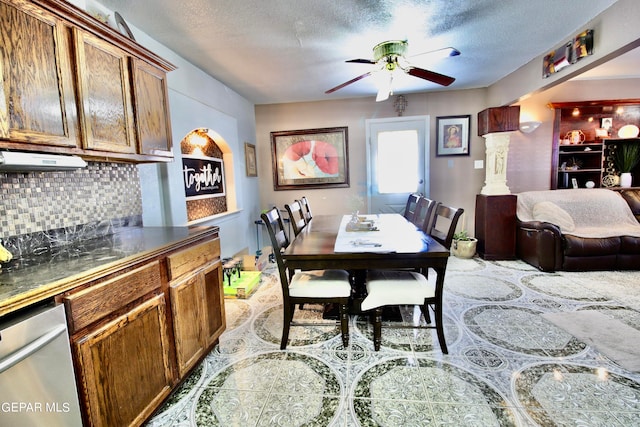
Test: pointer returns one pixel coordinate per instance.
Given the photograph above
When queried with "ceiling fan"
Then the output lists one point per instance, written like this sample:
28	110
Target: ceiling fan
390	56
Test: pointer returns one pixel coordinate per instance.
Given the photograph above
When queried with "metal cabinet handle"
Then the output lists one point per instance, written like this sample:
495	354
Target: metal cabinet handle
26	351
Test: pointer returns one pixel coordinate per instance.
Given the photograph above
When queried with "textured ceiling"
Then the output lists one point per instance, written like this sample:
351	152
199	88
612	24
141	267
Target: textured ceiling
293	50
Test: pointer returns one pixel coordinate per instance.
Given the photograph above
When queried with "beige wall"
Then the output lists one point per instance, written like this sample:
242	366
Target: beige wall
454	181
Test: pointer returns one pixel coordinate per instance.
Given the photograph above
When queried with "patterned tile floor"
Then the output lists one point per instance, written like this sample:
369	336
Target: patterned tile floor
507	365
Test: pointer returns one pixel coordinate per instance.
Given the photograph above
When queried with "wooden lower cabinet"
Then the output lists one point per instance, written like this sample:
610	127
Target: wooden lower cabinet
198	314
137	331
214	303
495	225
125	366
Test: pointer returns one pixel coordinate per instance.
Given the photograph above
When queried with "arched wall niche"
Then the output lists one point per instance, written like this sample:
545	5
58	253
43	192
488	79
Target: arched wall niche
208	174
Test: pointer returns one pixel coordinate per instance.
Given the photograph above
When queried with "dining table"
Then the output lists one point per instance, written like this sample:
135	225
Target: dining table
358	243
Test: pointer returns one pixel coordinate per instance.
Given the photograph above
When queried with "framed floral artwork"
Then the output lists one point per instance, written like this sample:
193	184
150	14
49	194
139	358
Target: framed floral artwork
310	158
452	135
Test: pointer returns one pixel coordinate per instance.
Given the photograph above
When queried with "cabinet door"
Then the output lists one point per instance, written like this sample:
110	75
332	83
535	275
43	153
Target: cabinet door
197	305
37	101
214	303
124	366
106	108
187	307
152	110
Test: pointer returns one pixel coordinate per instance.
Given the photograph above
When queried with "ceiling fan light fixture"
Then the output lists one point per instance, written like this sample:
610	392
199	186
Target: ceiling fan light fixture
389	57
385	87
390	49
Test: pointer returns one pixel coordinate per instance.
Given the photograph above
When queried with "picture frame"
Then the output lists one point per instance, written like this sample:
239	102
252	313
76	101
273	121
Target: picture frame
452	135
310	158
568	54
606	123
122	26
250	163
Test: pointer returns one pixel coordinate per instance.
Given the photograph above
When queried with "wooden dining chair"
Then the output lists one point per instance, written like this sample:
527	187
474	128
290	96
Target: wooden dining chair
302	287
410	208
423	216
306	209
445	221
395	288
296	217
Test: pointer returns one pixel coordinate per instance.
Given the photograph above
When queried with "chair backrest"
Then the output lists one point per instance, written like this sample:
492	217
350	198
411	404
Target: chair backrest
424	214
306	209
444	224
296	217
279	242
410	208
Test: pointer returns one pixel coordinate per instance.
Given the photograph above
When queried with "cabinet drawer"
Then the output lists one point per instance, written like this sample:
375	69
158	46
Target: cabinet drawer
188	260
95	302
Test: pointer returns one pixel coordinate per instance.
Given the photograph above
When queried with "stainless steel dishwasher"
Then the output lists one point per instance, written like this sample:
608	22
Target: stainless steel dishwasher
37	383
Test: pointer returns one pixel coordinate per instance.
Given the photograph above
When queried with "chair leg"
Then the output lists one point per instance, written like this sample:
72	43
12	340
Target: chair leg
288	311
377	328
440	328
344	324
424	308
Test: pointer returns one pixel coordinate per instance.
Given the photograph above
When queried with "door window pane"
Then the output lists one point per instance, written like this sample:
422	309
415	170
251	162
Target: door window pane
398	161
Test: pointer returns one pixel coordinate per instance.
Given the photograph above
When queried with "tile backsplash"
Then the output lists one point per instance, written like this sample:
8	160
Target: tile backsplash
93	199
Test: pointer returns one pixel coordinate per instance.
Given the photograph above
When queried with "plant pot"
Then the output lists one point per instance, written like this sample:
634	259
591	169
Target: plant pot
625	179
464	248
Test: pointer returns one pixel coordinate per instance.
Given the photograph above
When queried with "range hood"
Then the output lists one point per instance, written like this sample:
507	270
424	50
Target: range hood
24	162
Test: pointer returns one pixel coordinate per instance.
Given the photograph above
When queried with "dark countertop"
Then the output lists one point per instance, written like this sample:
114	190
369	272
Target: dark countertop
29	280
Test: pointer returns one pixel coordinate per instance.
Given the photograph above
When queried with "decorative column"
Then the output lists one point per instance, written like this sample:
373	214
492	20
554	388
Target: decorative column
495	125
497	148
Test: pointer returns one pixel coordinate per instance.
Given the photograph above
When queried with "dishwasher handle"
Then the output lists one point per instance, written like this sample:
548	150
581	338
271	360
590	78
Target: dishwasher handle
26	351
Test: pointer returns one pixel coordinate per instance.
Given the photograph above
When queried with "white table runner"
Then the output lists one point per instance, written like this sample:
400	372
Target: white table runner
382	238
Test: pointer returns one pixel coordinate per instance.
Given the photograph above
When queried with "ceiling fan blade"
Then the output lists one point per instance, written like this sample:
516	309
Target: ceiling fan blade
362	61
348	83
432	76
445	52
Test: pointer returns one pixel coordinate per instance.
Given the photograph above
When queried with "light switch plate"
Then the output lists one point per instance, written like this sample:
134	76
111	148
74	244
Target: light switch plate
478	164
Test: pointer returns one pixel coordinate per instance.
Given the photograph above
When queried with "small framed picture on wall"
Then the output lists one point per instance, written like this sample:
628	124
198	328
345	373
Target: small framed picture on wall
250	159
452	135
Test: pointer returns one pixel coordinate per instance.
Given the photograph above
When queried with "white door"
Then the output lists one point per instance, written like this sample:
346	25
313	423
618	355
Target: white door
398	161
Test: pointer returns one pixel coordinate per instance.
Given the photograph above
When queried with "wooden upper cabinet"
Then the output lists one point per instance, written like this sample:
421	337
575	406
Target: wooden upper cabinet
37	102
73	85
151	102
106	105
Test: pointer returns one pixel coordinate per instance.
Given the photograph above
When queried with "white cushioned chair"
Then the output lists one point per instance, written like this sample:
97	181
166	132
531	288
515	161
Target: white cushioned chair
301	287
394	288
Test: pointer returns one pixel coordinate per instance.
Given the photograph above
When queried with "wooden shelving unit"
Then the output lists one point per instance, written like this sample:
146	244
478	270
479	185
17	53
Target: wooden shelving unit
591	159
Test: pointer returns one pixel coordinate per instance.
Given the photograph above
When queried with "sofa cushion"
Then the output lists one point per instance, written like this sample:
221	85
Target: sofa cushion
630	245
584	247
550	212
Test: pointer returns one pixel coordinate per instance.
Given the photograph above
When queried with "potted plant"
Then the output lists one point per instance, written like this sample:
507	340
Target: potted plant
627	156
463	245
